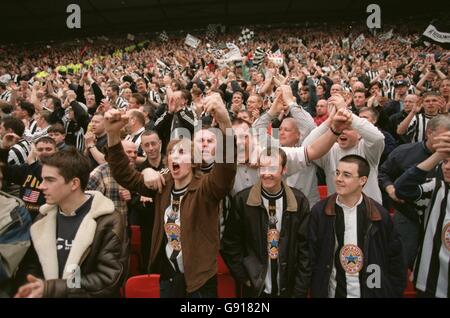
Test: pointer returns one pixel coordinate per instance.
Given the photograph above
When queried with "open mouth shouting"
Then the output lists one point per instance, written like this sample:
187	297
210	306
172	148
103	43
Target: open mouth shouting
175	167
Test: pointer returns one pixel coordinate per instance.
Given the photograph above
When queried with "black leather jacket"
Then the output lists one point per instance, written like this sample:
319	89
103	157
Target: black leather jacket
245	242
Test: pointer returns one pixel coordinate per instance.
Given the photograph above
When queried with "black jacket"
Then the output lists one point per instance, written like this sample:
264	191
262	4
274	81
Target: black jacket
245	242
382	247
398	161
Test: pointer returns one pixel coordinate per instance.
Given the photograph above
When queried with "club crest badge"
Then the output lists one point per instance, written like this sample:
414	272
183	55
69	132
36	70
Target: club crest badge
273	236
446	236
173	235
351	258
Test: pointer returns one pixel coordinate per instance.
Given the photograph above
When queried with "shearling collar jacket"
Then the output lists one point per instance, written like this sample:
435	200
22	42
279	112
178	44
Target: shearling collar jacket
99	250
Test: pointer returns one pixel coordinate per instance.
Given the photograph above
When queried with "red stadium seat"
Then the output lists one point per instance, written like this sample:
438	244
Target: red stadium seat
226	286
135	257
323	191
410	291
142	286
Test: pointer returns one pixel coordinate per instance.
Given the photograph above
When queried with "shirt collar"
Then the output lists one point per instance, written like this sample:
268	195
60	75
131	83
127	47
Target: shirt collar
345	207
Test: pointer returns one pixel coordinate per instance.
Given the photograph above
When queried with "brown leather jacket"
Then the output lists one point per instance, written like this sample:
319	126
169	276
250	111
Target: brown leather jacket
100	249
199	214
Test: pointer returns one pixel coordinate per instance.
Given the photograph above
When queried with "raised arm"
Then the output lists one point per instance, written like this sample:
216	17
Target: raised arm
121	170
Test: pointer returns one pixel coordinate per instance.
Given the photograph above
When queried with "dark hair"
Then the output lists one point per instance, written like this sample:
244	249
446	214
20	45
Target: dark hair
400	74
238	121
360	90
15	124
187	96
140	100
47	140
269	151
28	107
115	88
149	133
6	108
56	128
375	84
363	164
56	102
70	164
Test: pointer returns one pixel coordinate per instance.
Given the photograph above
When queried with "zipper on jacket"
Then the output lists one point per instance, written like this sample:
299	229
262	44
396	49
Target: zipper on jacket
366	259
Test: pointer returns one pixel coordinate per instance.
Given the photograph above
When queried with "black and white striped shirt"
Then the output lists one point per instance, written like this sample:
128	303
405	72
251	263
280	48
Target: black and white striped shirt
32	127
120	103
417	127
433	262
154	97
136	139
431	269
391	92
372	74
5	96
18	154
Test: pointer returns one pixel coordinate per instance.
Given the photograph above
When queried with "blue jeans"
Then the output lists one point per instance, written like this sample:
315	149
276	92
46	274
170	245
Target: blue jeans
409	232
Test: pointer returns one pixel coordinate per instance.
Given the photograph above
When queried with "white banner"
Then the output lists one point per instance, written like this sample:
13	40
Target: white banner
358	42
345	43
192	41
435	35
387	35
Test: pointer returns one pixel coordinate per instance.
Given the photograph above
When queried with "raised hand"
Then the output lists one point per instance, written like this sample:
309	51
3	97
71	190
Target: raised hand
216	107
9	140
115	120
153	179
341	120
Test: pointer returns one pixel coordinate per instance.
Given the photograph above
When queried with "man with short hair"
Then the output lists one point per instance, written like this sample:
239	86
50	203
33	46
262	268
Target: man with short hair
80	247
112	92
394	120
408	216
349	236
363	139
58	134
96	141
25	112
254	105
144	207
414	125
359	100
433	263
259	214
372	115
321	112
42	124
135	127
19	152
102	180
28	175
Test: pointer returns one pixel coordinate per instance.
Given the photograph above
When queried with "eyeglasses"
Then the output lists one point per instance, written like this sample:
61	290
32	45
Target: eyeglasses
344	174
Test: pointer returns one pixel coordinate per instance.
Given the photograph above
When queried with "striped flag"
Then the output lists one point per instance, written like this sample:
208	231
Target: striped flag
30	196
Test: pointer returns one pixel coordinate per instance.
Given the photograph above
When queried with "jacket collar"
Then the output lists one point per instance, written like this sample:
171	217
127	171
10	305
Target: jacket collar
254	197
372	211
43	234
